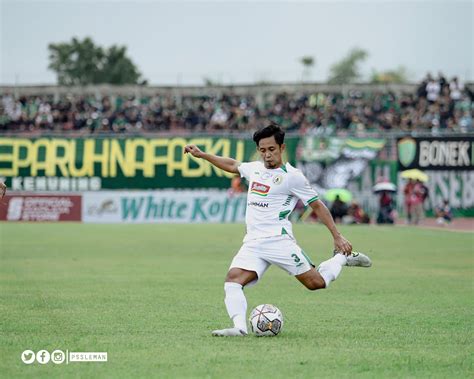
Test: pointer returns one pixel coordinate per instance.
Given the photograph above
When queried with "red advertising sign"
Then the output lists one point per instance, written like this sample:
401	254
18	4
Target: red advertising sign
40	208
259	189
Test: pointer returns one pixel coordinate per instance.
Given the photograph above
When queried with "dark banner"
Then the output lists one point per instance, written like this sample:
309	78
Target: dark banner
432	153
334	162
89	164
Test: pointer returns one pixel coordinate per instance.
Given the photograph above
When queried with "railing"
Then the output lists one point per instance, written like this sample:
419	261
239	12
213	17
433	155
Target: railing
85	132
250	89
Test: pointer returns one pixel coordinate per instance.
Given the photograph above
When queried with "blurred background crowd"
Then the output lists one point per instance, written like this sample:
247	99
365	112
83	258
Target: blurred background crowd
435	104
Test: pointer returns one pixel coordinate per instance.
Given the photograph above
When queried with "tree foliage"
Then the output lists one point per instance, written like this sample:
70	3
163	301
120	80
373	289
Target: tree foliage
308	62
82	62
346	71
398	75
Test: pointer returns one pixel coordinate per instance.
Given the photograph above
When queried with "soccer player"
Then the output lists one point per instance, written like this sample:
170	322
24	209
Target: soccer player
274	189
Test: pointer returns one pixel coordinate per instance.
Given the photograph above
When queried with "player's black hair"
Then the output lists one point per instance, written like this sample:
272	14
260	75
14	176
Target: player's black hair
270	130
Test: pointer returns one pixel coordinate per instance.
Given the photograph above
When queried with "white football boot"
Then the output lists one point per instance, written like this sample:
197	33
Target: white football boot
230	332
358	259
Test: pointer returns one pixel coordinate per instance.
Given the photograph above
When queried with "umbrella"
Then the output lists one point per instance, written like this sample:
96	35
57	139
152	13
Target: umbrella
385	186
343	194
415	174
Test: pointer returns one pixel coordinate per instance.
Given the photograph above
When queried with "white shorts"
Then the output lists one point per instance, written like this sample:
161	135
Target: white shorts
282	251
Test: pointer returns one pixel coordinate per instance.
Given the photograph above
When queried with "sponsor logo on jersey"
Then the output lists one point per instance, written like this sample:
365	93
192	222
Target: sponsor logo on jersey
278	179
259	189
260	204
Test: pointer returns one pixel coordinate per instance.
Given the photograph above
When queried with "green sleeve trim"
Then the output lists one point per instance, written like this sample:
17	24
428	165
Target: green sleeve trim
313	199
283	214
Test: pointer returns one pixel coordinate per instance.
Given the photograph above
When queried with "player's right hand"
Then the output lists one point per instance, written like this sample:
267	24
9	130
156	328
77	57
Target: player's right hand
341	245
193	150
3	190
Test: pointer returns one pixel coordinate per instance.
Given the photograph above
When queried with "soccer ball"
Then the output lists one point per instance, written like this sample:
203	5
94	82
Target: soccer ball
266	320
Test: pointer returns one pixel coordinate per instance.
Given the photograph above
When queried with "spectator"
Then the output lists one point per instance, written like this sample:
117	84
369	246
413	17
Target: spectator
410	200
236	186
356	215
386	208
338	209
442	81
433	89
456	89
443	213
419	195
421	90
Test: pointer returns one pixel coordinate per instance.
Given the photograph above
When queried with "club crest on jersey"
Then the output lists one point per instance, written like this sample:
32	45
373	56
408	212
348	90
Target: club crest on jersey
259	189
278	179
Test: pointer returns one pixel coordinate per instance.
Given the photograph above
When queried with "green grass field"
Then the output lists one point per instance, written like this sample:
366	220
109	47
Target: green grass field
149	295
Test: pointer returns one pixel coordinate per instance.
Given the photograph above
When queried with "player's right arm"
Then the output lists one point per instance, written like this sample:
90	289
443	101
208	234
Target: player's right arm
226	164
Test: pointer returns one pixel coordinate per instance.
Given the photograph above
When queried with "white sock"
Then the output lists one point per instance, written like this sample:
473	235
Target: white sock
331	268
236	304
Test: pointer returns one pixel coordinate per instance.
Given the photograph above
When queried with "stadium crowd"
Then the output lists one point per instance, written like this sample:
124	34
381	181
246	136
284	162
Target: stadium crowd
438	104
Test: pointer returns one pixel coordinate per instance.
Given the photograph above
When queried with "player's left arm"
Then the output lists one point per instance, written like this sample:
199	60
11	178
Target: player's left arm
341	244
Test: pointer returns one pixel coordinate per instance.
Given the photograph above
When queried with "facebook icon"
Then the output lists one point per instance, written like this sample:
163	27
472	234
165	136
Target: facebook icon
43	357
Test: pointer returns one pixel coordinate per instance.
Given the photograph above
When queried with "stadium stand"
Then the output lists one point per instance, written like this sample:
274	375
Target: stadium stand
433	105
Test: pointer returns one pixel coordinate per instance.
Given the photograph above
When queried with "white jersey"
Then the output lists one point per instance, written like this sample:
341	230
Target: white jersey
272	196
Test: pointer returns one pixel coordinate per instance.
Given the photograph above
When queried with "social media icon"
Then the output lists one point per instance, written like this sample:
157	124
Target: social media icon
58	356
43	357
28	357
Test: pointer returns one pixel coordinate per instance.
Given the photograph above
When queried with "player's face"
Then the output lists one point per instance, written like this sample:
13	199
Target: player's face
270	152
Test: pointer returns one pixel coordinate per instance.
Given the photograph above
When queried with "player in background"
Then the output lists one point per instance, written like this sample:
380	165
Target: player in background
274	189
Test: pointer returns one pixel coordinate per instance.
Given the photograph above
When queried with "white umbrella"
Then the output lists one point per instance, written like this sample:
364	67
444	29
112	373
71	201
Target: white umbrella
385	186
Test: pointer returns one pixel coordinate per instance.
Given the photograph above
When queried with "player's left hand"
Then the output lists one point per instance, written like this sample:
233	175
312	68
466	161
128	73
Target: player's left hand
341	245
3	190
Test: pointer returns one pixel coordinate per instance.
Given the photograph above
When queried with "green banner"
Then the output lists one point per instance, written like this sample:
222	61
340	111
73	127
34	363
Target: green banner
68	164
329	149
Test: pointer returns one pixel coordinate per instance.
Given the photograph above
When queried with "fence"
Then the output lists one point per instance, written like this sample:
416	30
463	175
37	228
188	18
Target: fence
59	165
